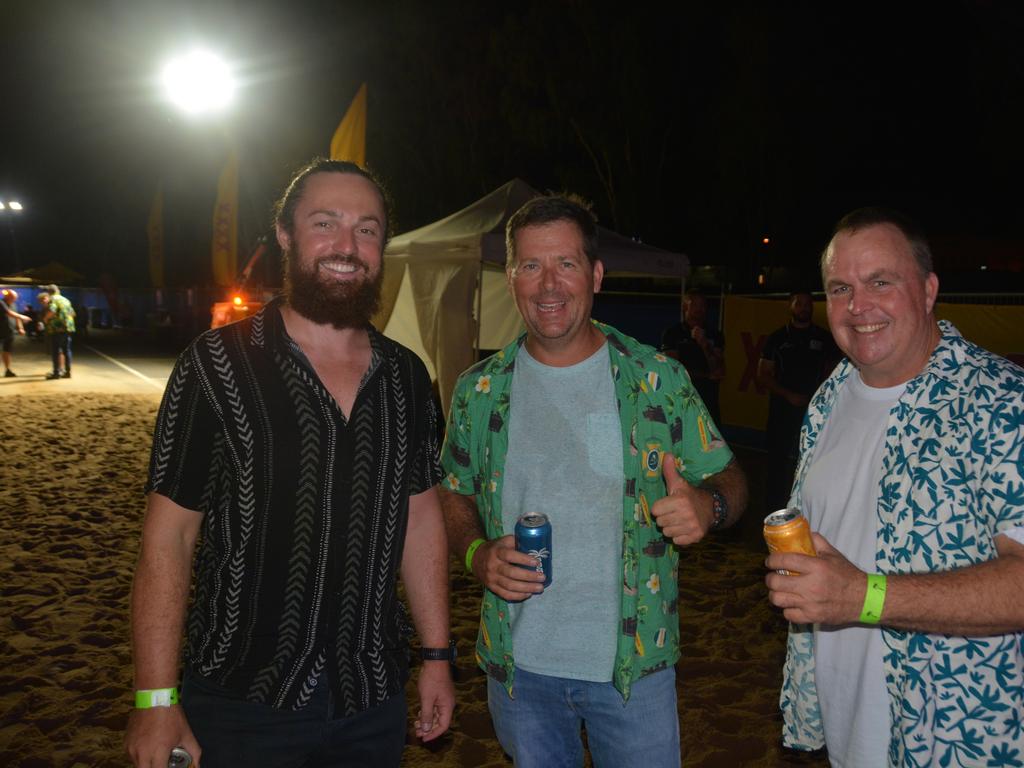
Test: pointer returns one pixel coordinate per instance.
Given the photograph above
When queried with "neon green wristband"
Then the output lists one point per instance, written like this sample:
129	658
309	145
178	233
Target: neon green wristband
874	599
157	697
472	551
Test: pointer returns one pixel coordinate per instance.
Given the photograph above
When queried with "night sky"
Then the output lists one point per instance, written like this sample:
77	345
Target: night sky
699	129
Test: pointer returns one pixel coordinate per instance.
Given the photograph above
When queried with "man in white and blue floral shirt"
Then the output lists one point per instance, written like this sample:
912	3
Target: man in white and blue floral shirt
906	645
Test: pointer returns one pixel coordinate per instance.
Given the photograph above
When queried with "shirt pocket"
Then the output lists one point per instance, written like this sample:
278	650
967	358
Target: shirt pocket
603	444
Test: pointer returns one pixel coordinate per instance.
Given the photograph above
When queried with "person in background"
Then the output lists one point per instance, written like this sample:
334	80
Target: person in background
794	361
11	324
700	349
608	439
906	644
59	322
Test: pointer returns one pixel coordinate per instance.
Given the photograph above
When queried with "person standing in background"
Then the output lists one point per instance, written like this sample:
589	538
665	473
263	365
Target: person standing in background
795	359
59	322
700	349
11	324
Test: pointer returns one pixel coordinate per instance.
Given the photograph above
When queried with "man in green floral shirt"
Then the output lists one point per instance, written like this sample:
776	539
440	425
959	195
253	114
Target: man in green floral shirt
609	439
59	322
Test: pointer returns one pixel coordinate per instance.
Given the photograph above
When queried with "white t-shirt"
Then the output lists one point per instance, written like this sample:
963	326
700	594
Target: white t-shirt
565	459
839	499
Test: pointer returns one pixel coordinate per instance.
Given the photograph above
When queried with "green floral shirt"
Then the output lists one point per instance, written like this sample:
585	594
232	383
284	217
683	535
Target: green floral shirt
952	479
61	317
659	411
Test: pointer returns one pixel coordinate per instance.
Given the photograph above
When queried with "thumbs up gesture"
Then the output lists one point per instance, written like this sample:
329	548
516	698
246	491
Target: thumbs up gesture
686	513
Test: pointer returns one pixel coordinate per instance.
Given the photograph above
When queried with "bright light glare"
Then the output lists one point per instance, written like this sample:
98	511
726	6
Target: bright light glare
199	82
14	205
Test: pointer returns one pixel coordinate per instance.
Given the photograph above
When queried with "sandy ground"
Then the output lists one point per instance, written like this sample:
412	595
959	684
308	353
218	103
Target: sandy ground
76	453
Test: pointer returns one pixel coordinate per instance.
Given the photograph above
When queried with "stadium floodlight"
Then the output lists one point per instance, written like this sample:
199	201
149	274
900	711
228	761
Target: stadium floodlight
199	82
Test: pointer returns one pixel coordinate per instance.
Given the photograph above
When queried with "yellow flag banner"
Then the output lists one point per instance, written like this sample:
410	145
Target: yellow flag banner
349	141
749	321
155	231
224	247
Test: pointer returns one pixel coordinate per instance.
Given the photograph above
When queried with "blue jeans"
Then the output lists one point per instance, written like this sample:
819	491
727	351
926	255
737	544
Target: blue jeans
540	726
60	342
233	732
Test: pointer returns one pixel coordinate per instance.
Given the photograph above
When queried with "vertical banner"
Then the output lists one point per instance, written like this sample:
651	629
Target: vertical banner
155	231
224	246
349	141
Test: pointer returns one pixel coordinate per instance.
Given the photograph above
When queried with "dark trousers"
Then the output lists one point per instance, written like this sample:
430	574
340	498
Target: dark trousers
60	342
234	733
782	439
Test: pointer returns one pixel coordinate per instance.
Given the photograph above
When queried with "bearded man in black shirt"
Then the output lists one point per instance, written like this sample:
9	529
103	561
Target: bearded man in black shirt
298	448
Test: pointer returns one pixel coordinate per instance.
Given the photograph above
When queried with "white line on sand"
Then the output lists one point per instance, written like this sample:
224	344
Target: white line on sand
128	368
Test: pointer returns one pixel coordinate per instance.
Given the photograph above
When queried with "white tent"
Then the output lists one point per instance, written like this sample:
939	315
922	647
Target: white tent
440	278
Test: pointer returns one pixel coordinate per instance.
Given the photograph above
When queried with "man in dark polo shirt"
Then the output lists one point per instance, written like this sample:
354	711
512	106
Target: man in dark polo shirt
794	361
298	448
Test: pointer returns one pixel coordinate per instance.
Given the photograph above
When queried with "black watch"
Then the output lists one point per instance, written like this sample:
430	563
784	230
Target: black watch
721	509
440	654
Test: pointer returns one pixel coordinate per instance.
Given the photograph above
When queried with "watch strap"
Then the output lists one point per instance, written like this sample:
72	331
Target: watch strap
440	654
720	508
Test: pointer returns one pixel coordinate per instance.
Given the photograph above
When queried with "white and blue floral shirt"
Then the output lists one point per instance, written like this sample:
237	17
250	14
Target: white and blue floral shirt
952	478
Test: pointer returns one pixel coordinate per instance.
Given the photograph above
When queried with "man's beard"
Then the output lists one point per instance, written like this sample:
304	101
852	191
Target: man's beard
339	304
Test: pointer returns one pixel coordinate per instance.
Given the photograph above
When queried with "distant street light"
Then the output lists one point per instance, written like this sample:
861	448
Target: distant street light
199	82
10	209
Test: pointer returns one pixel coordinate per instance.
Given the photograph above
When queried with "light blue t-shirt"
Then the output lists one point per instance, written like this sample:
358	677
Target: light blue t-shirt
565	460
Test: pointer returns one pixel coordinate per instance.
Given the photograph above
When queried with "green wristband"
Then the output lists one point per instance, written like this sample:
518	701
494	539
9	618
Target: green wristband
874	599
157	697
472	551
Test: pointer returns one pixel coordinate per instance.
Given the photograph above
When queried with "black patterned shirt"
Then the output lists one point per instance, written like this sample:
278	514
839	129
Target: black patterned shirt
305	512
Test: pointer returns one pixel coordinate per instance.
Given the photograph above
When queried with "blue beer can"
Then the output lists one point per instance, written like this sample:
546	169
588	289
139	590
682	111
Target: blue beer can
533	537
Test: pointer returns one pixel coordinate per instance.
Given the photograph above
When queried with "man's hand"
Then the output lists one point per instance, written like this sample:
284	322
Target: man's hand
685	515
154	732
828	590
497	565
437	700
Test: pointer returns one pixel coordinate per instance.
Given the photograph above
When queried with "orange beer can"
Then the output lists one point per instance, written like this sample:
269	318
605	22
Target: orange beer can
787	530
